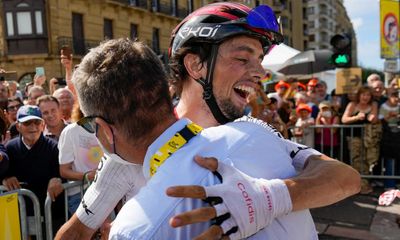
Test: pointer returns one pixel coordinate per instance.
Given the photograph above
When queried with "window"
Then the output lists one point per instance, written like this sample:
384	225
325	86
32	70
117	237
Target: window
190	6
78	39
134	31
311	24
155	5
25	26
24	19
175	7
156	40
285	22
108	29
311	38
310	10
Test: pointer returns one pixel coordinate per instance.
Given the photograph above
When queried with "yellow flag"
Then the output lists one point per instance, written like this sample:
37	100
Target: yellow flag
9	217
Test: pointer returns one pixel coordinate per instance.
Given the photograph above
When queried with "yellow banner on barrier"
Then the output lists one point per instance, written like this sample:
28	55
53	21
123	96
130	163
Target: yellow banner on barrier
390	32
9	217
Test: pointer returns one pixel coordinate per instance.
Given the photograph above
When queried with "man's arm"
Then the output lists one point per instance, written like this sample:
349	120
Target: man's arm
323	181
74	229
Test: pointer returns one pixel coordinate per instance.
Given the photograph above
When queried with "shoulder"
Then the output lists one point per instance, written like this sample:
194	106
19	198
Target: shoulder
257	124
13	143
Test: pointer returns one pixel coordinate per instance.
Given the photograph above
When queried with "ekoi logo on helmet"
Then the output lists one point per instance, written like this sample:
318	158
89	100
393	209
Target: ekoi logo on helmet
199	31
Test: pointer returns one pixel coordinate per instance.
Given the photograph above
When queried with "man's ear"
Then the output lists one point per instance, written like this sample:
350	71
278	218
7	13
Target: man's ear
105	128
193	65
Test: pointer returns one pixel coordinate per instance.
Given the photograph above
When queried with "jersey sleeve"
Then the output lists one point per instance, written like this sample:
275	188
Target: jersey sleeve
113	180
299	153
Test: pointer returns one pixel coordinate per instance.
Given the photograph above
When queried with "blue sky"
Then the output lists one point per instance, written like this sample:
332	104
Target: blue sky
364	15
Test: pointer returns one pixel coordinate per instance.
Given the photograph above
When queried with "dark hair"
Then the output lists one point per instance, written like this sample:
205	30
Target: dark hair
178	73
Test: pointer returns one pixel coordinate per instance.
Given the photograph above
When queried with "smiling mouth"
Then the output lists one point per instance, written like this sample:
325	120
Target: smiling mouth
244	91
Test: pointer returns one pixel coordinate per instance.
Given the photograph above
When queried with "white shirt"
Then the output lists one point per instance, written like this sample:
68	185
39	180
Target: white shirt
253	148
80	148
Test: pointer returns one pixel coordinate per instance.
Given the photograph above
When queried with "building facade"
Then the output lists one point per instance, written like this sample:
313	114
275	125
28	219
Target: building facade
327	18
33	31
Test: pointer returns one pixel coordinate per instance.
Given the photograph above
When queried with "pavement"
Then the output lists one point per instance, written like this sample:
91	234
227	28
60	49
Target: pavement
359	217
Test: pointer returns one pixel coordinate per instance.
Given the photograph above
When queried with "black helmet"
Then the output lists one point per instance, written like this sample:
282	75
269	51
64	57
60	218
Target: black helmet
214	23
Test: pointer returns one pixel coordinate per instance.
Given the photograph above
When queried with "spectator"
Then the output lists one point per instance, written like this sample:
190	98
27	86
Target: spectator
377	93
372	78
34	162
4	162
362	111
80	154
33	94
271	116
14	103
280	89
66	99
258	102
311	85
3	95
389	114
13	90
303	133
327	140
50	108
321	89
287	113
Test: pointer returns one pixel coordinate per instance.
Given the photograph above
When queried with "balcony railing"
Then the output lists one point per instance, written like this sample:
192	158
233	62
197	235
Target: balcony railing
134	3
78	46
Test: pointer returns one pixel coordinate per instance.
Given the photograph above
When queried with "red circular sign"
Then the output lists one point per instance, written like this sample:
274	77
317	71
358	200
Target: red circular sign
390	29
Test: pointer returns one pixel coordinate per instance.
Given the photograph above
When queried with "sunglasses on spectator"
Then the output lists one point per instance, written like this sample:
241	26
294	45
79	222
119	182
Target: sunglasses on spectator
13	107
89	124
37	122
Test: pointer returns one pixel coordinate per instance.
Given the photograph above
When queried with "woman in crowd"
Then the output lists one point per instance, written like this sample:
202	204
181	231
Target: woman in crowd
362	111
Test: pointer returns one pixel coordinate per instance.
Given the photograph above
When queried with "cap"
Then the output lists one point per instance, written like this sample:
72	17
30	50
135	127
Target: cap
300	85
313	82
324	104
281	83
28	112
303	106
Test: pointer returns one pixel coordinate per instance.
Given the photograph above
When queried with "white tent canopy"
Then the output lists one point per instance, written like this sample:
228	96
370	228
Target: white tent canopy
277	56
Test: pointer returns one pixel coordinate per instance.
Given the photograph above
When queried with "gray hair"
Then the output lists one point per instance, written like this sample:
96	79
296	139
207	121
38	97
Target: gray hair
373	77
124	83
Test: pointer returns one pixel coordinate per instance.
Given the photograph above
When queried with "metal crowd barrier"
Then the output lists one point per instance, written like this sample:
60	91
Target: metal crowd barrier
22	212
47	207
342	147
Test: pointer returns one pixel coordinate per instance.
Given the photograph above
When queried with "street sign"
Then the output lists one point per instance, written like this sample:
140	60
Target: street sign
348	80
391	66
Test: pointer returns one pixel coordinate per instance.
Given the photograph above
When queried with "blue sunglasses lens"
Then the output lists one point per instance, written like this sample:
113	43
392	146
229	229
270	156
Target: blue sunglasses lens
263	17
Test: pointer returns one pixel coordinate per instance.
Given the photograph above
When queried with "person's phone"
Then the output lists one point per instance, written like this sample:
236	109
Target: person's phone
40	71
61	82
66	52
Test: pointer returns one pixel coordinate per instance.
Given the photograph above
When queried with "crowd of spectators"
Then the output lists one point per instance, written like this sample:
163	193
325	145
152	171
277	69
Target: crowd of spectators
299	111
40	146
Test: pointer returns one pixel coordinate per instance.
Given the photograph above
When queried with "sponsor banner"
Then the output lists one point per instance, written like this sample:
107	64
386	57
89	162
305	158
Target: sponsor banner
9	217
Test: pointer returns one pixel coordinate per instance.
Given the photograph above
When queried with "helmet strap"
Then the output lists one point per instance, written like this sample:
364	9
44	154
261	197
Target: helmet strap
208	94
